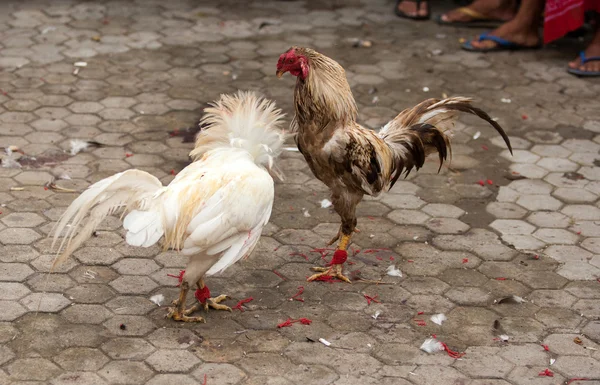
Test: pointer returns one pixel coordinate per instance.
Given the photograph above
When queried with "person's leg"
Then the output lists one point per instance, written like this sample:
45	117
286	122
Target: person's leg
409	8
592	50
522	29
502	10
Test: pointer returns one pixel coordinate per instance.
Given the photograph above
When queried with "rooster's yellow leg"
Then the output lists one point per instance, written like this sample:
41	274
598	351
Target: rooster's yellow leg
178	313
335	270
213	302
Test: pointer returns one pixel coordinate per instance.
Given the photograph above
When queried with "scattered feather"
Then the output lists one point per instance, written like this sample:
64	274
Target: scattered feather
438	318
325	203
48	29
9	162
78	145
305	213
504	337
506	100
436	52
477	135
394	271
425	89
375	99
324	342
80	64
376	315
291	149
157	299
552	361
64	176
431	345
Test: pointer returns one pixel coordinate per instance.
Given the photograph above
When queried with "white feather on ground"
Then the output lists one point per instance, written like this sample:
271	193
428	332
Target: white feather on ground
78	145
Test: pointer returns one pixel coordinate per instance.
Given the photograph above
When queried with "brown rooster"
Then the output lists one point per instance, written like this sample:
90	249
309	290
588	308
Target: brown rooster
350	159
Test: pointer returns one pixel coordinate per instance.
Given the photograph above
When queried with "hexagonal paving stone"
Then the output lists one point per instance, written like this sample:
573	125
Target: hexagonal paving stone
126	372
45	302
97	255
506	210
88	314
508	226
134	284
23	220
127	348
549	219
78	378
447	226
536	202
18	236
16	272
11	310
556	236
402	201
408	217
172	360
133	266
578	367
484	362
37	369
13	291
84	359
582	212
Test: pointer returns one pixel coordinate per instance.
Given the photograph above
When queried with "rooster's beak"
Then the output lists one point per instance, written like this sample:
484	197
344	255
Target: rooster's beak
279	73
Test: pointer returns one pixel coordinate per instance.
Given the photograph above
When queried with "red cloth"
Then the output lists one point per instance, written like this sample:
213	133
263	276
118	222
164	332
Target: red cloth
563	16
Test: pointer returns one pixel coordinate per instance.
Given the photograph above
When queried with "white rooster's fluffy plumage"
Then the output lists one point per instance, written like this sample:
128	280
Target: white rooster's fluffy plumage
215	208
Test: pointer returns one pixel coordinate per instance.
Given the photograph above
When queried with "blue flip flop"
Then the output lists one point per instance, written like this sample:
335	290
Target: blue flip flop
578	72
502	45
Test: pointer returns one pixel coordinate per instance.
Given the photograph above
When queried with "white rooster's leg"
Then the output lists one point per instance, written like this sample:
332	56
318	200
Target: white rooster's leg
179	313
210	301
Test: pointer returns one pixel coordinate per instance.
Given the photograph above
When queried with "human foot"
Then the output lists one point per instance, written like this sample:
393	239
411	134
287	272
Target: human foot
481	10
517	34
588	62
416	10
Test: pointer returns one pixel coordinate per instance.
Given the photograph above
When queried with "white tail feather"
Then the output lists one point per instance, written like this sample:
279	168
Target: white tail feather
127	189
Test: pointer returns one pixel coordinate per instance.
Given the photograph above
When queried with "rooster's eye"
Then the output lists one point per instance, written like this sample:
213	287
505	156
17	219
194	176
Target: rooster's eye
290	61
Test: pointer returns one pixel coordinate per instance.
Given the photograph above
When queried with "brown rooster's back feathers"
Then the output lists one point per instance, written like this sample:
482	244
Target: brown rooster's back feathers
419	131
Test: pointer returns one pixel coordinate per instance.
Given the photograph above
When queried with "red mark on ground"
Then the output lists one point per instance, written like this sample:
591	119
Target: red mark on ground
546	373
278	274
296	296
289	322
371	299
300	254
240	303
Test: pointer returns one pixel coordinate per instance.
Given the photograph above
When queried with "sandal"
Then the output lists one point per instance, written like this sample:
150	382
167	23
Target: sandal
502	45
478	20
399	13
584	73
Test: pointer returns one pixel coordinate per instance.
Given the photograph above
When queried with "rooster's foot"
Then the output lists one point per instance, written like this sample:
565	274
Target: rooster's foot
214	303
335	271
177	315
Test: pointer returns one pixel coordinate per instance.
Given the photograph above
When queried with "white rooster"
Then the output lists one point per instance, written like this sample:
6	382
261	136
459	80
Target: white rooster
213	211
